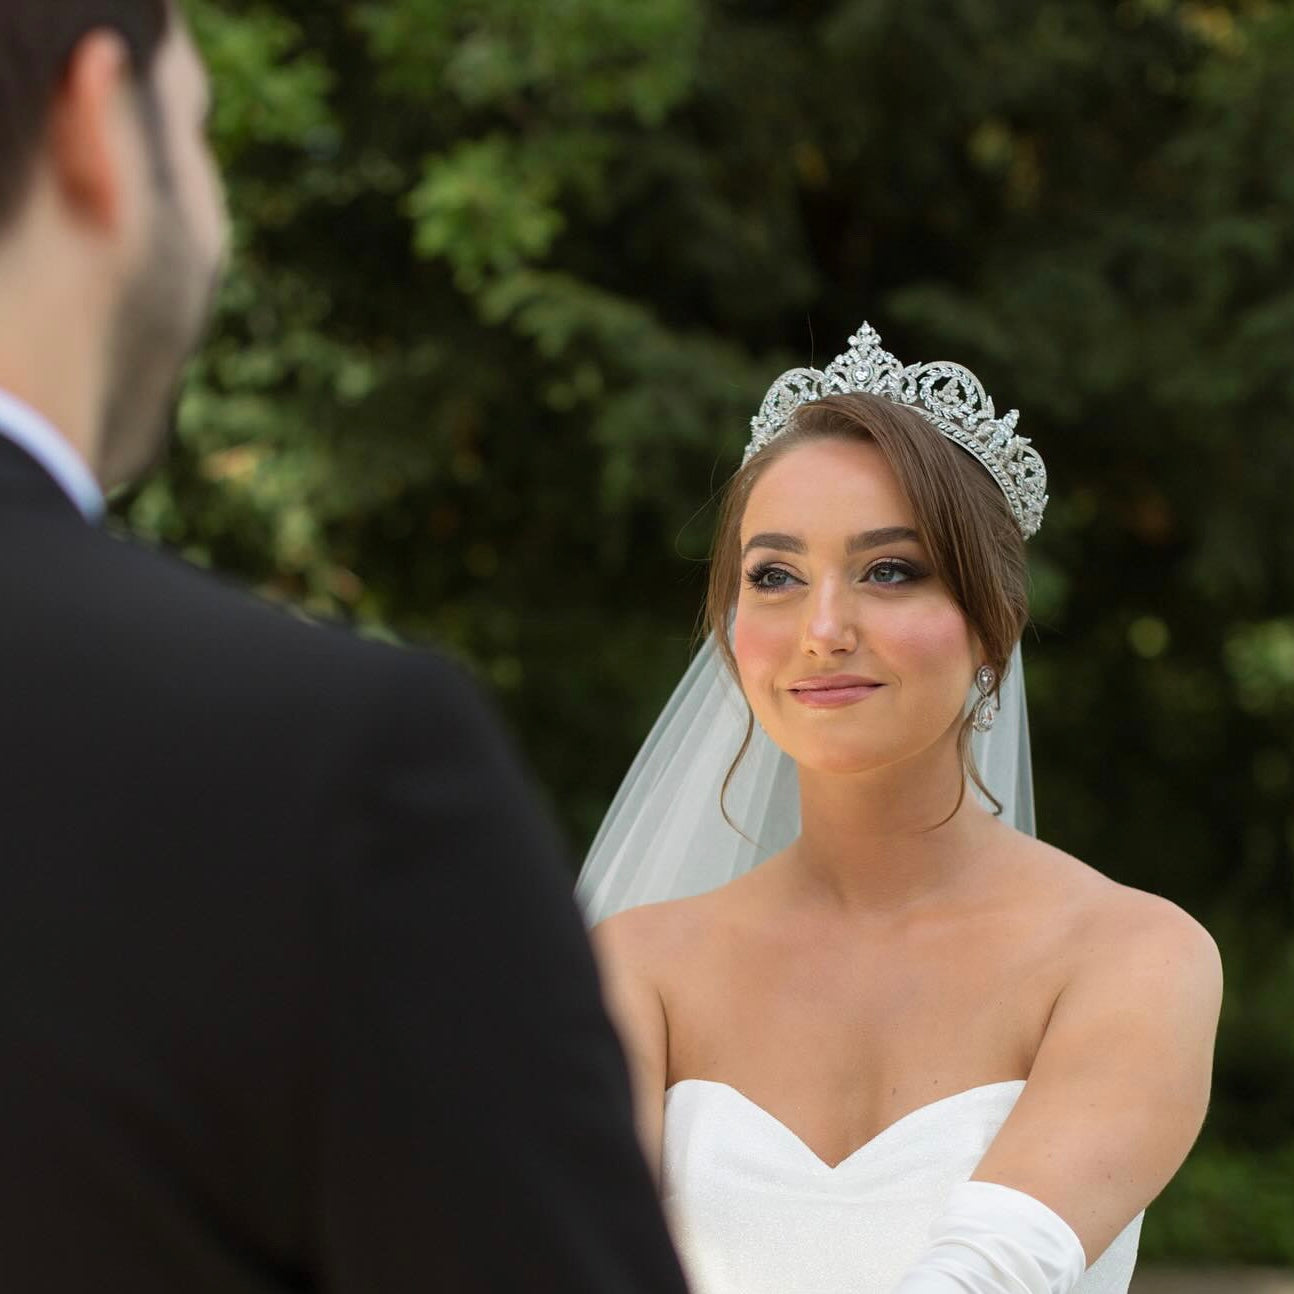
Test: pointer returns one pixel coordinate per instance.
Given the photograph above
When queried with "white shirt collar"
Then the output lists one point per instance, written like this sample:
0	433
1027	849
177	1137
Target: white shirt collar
27	429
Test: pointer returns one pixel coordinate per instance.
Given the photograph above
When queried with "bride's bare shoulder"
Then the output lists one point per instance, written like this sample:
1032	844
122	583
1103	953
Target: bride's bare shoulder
1119	1084
1103	915
659	934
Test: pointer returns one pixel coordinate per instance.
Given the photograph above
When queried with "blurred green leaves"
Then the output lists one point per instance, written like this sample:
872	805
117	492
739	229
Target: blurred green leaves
488	208
265	88
1261	660
577	59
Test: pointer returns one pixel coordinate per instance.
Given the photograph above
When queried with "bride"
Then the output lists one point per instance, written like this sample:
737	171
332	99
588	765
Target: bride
915	1049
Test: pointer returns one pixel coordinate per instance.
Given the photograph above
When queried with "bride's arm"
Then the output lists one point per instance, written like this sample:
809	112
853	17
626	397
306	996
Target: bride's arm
1114	1101
1120	1085
625	954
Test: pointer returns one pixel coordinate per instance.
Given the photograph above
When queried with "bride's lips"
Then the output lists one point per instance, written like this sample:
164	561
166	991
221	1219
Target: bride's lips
833	690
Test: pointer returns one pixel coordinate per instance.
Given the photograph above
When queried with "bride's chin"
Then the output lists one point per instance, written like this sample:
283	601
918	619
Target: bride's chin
836	760
857	754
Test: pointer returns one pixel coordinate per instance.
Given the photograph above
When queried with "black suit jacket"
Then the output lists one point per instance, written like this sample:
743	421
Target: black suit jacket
292	992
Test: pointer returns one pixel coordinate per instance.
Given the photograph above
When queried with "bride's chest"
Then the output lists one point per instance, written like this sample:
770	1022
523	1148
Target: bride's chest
841	1040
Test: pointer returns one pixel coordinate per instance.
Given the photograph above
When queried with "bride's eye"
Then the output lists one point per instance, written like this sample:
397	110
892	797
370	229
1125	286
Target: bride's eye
769	579
891	572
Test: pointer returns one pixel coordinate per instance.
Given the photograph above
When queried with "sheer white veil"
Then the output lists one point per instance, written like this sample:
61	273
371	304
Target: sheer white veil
665	836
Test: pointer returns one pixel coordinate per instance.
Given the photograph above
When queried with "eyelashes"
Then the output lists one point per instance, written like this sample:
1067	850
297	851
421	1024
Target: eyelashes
768	578
889	572
895	572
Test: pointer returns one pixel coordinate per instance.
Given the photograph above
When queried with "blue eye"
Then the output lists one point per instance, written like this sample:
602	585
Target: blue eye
893	572
769	578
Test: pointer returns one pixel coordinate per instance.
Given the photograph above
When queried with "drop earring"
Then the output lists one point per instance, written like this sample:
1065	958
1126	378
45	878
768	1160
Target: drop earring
985	708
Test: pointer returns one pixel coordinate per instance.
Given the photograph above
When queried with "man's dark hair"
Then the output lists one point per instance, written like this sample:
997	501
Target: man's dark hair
37	41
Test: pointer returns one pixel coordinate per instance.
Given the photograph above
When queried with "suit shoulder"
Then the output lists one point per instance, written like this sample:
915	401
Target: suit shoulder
222	656
188	607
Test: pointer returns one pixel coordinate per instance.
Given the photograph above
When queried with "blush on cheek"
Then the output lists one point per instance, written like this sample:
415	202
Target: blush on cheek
926	635
759	646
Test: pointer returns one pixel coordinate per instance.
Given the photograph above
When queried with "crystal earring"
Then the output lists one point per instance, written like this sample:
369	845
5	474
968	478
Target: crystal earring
985	709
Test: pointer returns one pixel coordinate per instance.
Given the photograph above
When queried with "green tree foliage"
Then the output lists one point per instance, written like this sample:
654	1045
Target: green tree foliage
510	279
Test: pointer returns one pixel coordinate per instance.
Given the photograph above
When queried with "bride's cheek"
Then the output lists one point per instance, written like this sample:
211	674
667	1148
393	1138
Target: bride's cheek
929	637
759	643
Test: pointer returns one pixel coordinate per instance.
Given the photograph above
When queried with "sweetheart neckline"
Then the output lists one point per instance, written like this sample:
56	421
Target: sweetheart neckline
866	1145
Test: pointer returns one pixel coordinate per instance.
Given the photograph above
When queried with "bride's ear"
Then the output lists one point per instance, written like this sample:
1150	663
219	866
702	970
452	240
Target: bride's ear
978	656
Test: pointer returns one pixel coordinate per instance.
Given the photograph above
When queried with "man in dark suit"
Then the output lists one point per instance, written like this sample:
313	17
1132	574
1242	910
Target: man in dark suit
292	992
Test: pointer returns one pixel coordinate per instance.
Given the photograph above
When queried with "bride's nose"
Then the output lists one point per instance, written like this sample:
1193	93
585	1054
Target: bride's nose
829	627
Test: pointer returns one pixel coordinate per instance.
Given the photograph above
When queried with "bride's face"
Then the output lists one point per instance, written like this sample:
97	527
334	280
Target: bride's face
851	652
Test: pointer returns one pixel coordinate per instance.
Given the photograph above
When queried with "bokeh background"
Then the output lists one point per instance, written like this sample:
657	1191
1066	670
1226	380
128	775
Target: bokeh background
510	278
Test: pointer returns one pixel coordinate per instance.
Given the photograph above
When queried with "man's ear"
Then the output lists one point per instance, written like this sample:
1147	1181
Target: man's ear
92	149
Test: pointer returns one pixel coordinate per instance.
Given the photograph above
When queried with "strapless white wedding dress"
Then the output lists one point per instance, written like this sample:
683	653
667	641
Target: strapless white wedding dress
755	1211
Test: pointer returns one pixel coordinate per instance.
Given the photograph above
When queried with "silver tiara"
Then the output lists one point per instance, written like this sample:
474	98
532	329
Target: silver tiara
946	395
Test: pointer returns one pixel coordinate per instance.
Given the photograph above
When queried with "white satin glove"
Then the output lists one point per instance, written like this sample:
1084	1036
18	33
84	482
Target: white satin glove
993	1239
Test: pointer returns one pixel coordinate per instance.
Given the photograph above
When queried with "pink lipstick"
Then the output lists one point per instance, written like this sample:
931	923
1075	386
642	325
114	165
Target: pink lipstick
833	690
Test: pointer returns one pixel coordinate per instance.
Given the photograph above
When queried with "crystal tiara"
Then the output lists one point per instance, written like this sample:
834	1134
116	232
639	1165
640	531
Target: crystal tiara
946	395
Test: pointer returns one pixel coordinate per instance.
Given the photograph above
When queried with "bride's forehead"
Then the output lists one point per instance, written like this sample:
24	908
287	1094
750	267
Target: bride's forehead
827	485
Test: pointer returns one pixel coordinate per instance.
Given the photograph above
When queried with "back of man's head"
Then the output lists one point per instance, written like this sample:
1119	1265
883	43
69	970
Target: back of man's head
37	39
112	219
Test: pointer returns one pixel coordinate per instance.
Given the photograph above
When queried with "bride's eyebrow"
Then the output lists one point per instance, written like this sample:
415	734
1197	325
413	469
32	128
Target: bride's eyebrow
879	538
775	539
860	543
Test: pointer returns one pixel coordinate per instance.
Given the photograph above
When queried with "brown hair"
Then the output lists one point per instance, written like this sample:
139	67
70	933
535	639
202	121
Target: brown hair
966	526
37	41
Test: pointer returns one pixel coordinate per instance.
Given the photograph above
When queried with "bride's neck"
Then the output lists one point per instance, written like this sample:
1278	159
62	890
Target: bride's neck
885	841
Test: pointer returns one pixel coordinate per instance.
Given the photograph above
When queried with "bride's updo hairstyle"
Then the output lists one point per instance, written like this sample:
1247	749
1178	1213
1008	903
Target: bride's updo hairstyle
965	523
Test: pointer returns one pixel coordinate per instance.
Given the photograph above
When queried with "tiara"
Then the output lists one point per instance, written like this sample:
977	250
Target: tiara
946	395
